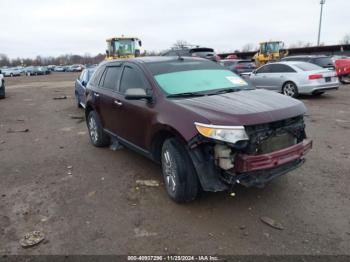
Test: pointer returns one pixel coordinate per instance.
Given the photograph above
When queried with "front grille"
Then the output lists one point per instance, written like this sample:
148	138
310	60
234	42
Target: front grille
266	138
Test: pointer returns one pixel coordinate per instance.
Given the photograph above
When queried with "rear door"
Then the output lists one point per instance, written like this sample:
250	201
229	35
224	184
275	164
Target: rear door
135	116
278	75
107	95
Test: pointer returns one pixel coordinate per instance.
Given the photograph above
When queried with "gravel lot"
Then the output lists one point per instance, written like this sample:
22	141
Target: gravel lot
97	209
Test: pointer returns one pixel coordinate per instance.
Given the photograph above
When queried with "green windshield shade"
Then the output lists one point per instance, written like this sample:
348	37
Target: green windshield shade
198	81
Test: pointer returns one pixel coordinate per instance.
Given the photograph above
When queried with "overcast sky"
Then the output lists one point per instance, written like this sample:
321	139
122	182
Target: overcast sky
34	27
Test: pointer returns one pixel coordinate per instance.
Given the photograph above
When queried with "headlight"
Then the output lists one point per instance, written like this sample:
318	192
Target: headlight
230	134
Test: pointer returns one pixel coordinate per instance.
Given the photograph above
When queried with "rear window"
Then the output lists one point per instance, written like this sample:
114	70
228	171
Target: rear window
307	66
202	50
323	61
227	63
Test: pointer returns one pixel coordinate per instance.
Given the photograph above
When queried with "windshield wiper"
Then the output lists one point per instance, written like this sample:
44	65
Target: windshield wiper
187	94
227	90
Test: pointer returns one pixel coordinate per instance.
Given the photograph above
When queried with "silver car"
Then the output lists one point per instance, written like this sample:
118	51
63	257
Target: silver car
293	78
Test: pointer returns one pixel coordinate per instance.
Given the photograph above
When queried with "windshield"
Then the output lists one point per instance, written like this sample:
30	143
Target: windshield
194	81
272	47
124	47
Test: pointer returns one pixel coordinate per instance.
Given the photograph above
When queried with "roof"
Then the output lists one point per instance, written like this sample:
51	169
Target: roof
308	56
154	59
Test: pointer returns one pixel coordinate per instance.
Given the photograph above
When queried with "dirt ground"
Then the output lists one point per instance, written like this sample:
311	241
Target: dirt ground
97	209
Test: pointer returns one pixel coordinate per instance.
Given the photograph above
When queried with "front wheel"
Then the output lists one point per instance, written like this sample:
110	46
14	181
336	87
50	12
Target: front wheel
290	89
77	101
97	136
179	174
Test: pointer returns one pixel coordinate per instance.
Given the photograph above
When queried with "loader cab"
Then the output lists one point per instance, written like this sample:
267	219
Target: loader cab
123	47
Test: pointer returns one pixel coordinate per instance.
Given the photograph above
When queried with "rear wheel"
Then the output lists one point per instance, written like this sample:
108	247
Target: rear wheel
179	175
344	79
290	89
97	136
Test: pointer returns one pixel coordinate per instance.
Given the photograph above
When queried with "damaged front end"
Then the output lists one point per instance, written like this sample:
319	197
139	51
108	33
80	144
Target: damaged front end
258	155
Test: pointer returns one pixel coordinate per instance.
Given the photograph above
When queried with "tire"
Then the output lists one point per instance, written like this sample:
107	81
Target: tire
290	89
2	90
344	79
77	101
97	136
179	175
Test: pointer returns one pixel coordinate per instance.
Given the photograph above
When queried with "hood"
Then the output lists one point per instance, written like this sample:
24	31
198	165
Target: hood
248	107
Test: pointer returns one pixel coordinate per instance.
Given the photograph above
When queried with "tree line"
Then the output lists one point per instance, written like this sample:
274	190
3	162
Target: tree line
67	59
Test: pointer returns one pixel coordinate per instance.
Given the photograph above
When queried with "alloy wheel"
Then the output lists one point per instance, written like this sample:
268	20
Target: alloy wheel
169	169
93	129
289	89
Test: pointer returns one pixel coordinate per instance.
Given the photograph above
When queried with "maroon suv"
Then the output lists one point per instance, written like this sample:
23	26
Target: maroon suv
207	127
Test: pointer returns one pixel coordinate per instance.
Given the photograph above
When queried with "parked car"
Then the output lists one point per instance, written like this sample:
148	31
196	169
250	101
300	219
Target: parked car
58	69
320	60
294	78
2	85
203	52
74	68
11	72
33	70
44	70
342	67
205	125
238	66
66	68
80	86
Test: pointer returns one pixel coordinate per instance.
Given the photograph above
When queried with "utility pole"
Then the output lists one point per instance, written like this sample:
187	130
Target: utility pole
322	2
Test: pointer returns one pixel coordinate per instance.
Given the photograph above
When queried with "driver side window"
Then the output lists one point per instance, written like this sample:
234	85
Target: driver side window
132	78
264	69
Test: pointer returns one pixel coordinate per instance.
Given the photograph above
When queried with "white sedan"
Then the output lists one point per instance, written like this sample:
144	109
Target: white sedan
293	78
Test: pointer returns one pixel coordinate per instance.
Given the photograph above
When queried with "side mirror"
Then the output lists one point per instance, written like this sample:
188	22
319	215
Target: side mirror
83	83
140	42
137	94
107	52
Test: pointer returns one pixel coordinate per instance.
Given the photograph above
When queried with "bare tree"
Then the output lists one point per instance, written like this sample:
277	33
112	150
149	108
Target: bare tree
248	47
180	44
300	44
345	40
4	60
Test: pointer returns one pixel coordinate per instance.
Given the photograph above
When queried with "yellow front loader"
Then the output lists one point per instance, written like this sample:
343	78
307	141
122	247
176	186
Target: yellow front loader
269	51
123	47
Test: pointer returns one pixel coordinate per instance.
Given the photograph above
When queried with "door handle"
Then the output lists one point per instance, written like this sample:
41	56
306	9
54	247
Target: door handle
96	94
118	103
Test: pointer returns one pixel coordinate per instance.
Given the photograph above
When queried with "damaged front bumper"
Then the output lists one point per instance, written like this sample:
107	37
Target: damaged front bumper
220	166
249	163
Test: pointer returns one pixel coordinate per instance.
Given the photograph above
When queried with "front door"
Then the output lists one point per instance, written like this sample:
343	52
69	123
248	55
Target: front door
135	116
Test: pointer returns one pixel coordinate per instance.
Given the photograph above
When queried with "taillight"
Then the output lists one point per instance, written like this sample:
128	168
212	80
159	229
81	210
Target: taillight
316	76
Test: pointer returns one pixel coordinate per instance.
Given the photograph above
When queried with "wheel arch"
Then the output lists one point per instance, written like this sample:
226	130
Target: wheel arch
158	139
